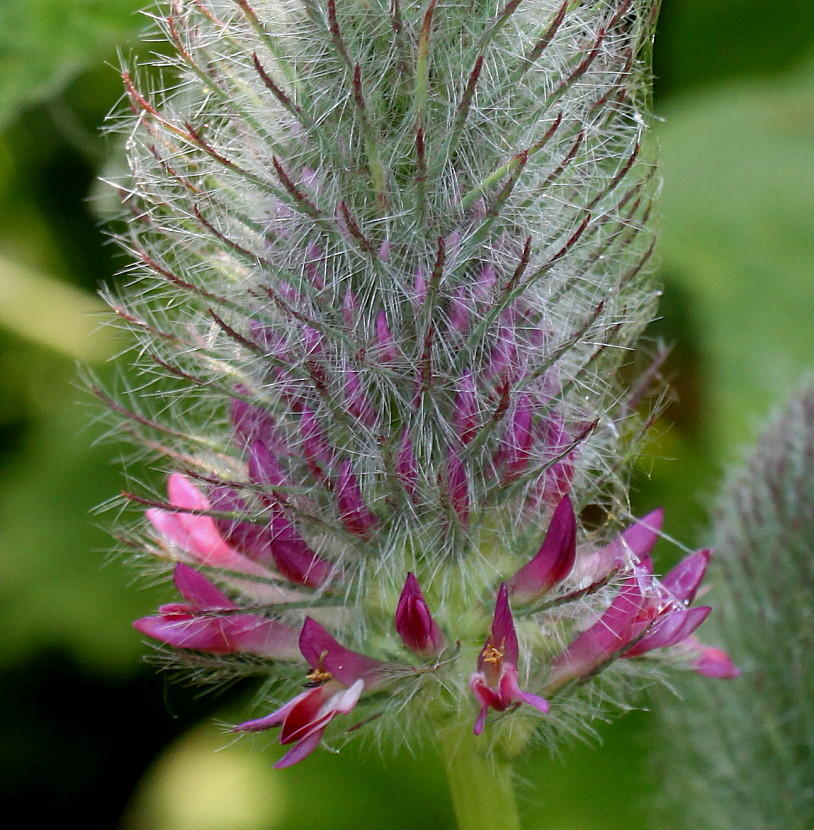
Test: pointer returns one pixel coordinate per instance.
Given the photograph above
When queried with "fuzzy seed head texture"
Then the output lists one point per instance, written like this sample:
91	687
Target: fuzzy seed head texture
390	259
746	750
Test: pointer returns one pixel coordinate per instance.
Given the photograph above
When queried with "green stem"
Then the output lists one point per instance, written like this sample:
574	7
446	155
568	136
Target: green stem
480	783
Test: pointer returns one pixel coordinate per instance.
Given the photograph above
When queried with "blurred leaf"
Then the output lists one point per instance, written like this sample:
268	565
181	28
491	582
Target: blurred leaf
706	41
54	590
44	44
52	313
738	233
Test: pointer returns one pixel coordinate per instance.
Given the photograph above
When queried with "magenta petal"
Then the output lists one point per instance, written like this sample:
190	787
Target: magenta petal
251	423
264	637
503	358
218	633
694	618
315	257
503	635
640	538
264	467
457	488
357	401
484	282
350	309
636	542
311	699
594	646
511	691
318	453
414	622
322	651
514	453
458	313
554	560
386	348
293	557
406	468
713	662
480	721
355	514
301	750
276	542
685	578
196	588
465	411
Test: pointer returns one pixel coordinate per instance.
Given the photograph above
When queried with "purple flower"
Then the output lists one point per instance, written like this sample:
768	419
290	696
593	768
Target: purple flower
208	622
197	535
495	683
553	561
634	544
414	622
338	677
355	514
628	615
647	614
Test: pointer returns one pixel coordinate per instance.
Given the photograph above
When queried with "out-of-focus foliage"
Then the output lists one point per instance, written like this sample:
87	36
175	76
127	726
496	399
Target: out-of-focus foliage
45	44
746	748
707	41
737	251
737	93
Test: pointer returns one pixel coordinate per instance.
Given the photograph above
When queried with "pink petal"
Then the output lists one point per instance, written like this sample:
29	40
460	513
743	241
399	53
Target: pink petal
196	588
685	578
713	662
465	412
357	401
406	469
321	650
414	622
554	560
636	542
355	514
514	453
457	488
503	636
386	349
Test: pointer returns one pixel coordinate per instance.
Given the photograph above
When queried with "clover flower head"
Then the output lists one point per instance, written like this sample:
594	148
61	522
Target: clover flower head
390	259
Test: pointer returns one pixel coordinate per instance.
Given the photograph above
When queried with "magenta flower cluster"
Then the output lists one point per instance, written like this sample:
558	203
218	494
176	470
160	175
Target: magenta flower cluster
645	615
390	260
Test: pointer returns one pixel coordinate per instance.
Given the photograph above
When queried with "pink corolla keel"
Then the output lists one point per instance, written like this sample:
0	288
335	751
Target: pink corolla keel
305	718
276	542
710	661
553	561
495	683
634	544
627	617
208	622
198	535
338	677
647	614
414	622
355	514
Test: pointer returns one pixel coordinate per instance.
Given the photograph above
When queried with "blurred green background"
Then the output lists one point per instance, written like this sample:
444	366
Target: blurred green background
91	733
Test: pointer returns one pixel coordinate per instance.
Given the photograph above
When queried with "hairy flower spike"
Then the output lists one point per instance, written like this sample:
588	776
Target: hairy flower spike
390	258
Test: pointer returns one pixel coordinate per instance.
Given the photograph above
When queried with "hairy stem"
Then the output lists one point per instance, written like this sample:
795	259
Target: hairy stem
480	784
